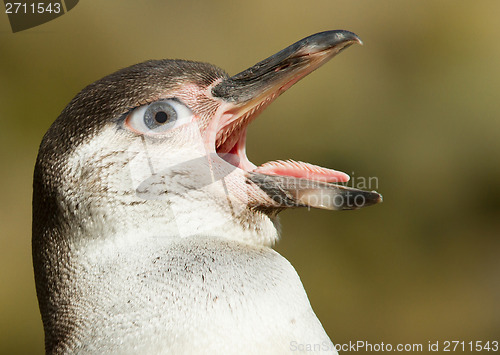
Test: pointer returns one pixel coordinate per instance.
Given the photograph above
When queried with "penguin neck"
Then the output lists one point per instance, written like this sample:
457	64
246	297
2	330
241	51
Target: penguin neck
82	259
80	252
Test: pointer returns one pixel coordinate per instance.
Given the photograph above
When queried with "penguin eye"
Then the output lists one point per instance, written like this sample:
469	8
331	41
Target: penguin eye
158	117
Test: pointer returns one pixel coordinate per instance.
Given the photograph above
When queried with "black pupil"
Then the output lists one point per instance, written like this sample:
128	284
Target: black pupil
161	117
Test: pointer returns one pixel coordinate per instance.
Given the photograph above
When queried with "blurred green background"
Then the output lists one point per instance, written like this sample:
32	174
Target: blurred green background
417	107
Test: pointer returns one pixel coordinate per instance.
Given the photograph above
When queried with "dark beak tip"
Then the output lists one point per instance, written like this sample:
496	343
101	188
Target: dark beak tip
360	199
331	39
373	197
344	35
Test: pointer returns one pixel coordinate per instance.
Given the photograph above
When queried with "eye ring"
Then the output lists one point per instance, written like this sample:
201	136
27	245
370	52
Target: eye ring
158	117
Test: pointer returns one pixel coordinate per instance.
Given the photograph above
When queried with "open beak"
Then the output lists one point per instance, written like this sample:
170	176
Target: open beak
244	95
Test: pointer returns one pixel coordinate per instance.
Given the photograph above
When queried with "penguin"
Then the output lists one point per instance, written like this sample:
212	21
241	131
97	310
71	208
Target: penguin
153	232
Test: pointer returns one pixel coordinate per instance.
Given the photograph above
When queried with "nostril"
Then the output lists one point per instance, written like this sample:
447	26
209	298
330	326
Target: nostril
280	68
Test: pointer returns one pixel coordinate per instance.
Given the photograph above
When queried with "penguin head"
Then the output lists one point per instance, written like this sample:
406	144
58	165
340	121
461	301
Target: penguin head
158	149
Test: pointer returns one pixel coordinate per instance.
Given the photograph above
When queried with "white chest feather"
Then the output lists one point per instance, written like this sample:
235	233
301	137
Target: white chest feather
193	295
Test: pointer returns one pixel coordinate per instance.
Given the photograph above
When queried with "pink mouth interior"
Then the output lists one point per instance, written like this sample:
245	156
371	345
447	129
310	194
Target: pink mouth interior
237	157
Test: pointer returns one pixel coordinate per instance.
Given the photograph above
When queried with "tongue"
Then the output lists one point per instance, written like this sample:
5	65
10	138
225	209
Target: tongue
301	170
